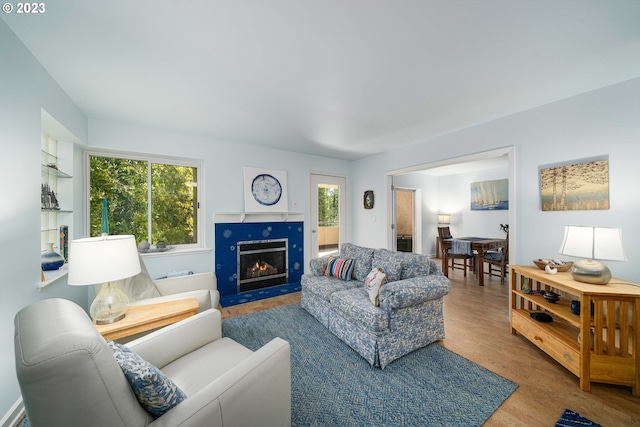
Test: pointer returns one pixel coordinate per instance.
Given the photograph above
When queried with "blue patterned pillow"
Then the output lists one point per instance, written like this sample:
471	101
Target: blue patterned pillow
363	258
390	262
156	393
339	267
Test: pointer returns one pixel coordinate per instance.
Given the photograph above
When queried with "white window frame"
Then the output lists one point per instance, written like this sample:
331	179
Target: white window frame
176	161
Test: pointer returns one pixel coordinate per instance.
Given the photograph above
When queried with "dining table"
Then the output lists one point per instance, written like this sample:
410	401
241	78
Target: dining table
478	245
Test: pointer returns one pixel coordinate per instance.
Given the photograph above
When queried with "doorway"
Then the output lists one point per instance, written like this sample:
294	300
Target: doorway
405	232
328	213
453	166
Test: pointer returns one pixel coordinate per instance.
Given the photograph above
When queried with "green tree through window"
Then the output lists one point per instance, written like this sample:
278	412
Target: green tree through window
328	208
145	198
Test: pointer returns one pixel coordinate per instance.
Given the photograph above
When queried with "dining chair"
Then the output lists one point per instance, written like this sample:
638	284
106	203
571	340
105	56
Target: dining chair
464	256
498	262
444	233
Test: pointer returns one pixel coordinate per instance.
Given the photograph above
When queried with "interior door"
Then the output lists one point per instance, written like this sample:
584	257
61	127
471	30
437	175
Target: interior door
405	230
407	219
328	213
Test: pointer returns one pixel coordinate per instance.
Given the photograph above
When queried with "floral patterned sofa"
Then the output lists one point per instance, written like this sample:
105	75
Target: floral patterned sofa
409	312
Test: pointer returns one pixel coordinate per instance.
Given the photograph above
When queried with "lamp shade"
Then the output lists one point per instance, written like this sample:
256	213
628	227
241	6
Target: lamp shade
444	219
601	243
97	260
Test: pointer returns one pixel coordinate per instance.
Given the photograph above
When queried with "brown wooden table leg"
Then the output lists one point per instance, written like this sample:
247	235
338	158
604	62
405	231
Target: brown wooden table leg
445	263
480	268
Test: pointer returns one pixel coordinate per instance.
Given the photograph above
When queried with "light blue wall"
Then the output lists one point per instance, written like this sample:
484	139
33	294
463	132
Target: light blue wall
224	162
25	88
455	199
600	122
604	121
451	194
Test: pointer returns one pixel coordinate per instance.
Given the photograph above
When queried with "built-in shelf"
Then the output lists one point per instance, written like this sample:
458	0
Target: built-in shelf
56	200
53	275
53	171
56	210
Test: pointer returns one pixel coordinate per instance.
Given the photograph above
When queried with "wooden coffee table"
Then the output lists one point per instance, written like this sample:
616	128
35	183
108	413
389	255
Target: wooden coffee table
144	318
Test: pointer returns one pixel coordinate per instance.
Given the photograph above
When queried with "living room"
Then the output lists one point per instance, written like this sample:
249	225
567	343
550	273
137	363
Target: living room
594	113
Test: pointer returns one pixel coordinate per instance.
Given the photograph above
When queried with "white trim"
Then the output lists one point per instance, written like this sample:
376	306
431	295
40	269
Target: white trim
151	158
15	414
219	218
509	151
343	230
177	251
53	275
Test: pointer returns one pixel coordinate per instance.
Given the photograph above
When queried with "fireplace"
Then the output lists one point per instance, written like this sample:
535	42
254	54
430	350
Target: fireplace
262	264
282	263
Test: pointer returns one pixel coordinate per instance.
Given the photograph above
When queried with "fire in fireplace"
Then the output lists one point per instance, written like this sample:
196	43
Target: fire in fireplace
261	268
262	264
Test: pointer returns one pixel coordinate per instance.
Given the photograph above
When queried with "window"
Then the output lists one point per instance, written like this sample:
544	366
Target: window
154	199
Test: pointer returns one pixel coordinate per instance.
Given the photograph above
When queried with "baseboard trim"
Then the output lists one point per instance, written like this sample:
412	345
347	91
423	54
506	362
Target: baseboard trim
14	416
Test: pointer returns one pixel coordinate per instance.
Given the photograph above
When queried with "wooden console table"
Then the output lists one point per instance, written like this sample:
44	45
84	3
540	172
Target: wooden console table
144	318
599	345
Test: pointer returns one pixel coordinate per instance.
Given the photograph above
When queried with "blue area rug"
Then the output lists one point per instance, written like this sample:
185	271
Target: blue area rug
573	419
332	385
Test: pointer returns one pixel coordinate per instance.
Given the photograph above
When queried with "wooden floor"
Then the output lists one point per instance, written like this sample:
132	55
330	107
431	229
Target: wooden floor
477	328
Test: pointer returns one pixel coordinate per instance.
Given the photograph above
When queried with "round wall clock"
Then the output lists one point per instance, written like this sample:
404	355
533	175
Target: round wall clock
266	189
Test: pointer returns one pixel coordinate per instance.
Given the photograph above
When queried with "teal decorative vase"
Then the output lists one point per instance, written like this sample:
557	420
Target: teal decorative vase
51	260
104	227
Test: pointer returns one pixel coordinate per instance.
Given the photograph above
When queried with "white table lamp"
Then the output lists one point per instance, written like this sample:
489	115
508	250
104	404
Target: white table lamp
104	259
444	219
593	243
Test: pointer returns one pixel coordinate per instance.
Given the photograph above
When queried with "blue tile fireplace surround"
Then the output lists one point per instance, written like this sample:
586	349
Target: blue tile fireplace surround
239	277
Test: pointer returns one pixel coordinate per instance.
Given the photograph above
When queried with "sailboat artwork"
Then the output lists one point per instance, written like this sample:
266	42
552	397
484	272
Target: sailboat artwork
490	195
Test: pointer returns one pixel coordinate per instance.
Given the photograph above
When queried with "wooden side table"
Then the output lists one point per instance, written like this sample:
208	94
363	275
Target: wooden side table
601	344
148	317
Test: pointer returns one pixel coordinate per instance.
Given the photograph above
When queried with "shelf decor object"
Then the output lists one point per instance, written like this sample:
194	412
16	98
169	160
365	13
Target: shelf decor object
64	242
593	243
104	224
104	259
51	260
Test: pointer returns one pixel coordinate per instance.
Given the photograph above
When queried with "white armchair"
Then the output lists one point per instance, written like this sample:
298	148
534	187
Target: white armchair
142	290
202	286
69	377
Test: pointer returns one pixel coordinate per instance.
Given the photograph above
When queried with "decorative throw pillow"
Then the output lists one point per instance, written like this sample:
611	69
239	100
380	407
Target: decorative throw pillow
389	262
341	268
372	284
156	393
140	286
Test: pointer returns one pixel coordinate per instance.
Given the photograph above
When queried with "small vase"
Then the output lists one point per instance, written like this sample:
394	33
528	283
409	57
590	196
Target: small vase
51	260
104	225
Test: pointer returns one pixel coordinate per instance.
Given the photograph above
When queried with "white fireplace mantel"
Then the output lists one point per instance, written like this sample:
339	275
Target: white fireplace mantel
228	217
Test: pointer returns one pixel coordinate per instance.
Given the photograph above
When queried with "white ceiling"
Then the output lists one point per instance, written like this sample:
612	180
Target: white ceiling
342	78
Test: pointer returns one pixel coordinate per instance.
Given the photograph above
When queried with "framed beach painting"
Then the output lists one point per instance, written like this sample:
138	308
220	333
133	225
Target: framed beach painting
265	190
490	195
575	185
